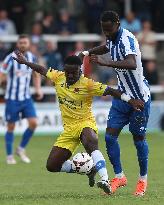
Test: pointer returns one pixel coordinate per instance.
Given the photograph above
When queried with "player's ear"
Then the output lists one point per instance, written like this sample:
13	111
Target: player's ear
118	24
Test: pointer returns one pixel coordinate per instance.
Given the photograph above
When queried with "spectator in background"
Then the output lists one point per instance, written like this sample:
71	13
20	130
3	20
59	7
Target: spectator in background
147	42
52	56
65	25
93	10
131	23
79	47
48	24
151	74
158	15
3	51
86	66
7	27
75	10
40	58
36	37
36	10
143	9
17	11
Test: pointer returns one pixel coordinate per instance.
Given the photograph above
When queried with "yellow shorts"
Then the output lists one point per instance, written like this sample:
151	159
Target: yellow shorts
70	137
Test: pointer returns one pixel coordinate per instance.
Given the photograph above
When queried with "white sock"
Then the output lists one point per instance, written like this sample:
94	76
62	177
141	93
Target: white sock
143	177
67	166
10	156
100	164
21	149
120	175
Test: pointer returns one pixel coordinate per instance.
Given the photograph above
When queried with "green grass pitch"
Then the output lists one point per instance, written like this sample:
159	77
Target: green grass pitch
31	184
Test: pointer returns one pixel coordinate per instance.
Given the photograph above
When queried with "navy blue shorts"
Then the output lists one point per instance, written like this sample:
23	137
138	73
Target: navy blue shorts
19	109
121	114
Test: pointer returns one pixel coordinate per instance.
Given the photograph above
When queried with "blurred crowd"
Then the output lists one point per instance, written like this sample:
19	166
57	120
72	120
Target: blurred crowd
66	17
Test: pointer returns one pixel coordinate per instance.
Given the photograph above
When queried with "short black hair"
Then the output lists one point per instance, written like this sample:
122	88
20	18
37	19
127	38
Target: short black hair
24	36
110	16
73	60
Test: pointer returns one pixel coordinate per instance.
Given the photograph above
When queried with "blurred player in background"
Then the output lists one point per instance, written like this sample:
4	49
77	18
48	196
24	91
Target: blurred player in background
75	93
126	59
18	99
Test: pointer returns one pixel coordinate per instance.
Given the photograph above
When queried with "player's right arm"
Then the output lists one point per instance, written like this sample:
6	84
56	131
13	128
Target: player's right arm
99	50
20	58
49	73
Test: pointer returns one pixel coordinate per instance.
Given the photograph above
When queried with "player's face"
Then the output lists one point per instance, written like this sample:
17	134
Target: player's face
23	44
72	73
109	29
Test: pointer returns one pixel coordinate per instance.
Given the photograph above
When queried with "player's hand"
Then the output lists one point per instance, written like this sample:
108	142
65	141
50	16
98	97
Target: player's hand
39	94
137	104
95	59
19	57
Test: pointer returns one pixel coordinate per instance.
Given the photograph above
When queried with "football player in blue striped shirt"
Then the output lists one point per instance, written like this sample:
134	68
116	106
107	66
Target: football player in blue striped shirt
123	47
18	99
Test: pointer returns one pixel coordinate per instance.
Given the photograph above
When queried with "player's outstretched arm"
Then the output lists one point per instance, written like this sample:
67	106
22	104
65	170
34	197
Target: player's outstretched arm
137	104
99	50
128	63
22	60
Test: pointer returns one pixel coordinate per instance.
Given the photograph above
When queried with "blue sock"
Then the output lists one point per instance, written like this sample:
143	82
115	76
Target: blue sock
113	151
142	153
9	139
26	137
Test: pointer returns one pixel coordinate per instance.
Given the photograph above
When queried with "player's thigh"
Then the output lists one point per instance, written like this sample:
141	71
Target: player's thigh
57	157
139	120
89	139
118	117
68	139
28	109
12	110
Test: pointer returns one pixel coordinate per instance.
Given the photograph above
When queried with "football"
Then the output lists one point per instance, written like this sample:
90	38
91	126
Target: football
82	163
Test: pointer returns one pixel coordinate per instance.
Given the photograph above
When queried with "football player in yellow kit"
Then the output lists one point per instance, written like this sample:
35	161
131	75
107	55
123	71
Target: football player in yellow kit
75	93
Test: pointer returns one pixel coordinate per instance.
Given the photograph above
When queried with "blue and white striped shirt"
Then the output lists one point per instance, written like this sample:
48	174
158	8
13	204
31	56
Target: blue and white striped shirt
132	82
18	77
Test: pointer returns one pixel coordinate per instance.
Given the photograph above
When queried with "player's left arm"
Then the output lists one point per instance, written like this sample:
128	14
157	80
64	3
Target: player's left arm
128	63
137	104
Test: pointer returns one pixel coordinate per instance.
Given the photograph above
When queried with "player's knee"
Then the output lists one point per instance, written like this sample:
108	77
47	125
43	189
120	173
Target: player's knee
110	139
53	167
33	124
113	131
138	137
91	145
10	127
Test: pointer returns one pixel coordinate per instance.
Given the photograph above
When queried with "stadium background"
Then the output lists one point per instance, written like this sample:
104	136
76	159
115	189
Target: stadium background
63	27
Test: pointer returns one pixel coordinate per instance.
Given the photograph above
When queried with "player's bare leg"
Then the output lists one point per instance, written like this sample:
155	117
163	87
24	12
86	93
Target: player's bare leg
9	139
32	124
89	140
142	153
113	151
58	160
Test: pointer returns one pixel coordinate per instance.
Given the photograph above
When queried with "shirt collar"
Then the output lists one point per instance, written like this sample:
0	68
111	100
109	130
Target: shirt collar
118	36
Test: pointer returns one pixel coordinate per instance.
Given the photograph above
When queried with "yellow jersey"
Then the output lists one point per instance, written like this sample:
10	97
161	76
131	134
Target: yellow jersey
75	101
